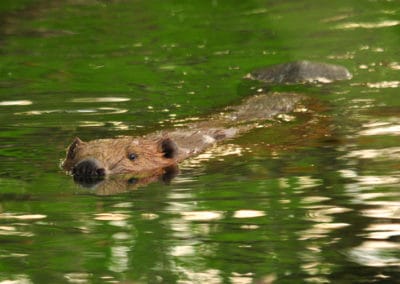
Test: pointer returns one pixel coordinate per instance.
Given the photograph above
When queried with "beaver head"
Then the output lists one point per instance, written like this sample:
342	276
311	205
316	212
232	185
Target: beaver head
126	155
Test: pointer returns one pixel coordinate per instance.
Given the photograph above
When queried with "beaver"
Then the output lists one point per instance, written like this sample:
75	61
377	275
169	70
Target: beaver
143	156
155	154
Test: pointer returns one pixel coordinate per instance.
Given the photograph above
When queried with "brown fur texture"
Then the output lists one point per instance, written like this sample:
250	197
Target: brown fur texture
150	154
113	155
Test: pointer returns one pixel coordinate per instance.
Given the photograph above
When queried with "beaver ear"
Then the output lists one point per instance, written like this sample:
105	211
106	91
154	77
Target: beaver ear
72	148
168	148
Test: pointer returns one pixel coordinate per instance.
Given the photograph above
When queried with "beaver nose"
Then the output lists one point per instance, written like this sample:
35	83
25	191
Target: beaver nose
88	167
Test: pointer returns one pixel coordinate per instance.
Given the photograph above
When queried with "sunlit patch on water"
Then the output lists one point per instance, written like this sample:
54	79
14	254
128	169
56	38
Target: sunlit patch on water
365	25
217	152
369	180
301	182
119	258
362	103
201	215
77	277
100	100
248	278
88	123
16	103
18	228
211	276
149	216
381	128
248	214
376	192
185	250
14	231
88	111
22	216
385	209
17	279
385	153
117	125
323	217
375	253
111	216
383	231
384	84
378	180
394	65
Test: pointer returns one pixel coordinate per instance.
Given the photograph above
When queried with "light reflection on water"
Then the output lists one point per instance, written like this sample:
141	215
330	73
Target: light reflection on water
384	84
16	103
377	193
200	230
216	152
376	254
381	128
364	25
87	111
100	100
274	217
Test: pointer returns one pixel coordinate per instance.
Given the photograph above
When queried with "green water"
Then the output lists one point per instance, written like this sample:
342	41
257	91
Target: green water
312	200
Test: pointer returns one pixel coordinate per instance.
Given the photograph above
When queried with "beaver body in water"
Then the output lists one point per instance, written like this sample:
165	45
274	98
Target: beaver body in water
153	152
150	155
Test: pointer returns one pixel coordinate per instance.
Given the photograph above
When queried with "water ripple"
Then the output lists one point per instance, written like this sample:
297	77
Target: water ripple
384	84
87	111
385	153
16	103
355	25
202	215
101	100
375	253
380	128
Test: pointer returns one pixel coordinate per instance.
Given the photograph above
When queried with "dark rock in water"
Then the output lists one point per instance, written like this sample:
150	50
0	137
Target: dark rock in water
300	72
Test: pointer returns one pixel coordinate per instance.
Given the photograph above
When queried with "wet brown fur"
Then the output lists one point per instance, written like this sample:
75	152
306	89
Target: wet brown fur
113	155
154	152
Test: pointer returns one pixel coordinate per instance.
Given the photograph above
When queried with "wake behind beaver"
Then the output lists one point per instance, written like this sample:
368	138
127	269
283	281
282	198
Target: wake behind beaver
149	156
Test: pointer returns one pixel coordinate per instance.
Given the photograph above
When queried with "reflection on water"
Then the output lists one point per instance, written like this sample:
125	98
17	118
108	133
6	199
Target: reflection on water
94	111
381	128
385	153
292	202
16	103
218	151
384	84
376	253
100	100
394	65
382	24
376	191
21	217
201	215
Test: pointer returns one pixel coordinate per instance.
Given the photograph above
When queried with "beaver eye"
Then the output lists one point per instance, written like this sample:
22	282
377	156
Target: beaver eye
132	156
132	181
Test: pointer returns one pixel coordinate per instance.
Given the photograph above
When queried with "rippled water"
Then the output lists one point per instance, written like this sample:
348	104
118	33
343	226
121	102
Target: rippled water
310	197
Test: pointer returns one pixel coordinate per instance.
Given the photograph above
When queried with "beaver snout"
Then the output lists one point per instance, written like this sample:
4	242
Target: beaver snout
88	168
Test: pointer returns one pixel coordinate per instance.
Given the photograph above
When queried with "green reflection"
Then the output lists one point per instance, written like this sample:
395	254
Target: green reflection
300	202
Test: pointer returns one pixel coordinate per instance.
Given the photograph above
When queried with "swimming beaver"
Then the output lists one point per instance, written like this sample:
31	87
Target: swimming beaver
152	154
143	156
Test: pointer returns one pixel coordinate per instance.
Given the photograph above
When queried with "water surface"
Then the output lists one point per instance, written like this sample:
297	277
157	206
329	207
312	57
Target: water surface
310	198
